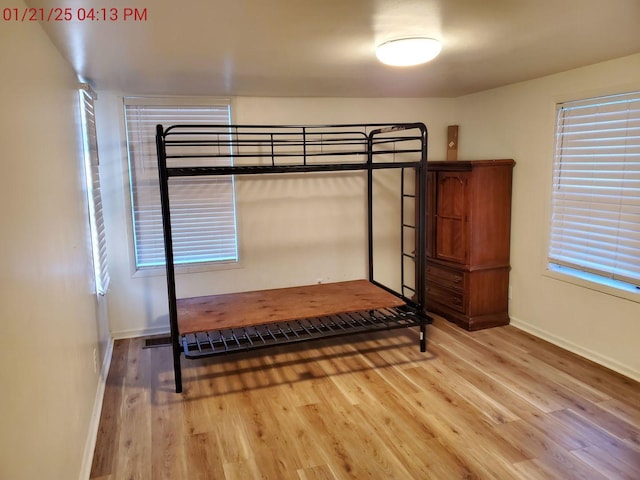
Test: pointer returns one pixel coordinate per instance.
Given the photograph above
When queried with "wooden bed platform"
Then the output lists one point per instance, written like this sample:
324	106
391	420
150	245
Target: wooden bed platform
249	309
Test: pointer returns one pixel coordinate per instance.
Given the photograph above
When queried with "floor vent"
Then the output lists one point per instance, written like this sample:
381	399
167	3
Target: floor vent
157	342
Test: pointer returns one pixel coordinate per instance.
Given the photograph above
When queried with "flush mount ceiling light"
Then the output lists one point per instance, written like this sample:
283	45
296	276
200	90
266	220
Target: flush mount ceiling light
405	52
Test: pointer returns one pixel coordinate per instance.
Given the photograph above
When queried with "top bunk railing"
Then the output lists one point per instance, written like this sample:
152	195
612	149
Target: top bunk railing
246	149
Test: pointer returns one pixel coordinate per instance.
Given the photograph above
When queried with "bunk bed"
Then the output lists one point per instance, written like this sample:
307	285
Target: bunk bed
235	322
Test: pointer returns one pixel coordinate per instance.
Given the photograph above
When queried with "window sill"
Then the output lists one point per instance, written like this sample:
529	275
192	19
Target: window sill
591	281
186	269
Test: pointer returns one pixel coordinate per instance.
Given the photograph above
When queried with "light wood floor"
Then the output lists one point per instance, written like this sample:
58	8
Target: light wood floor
495	403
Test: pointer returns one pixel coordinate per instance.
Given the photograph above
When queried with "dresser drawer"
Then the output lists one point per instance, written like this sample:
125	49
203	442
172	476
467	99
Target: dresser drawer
445	277
449	298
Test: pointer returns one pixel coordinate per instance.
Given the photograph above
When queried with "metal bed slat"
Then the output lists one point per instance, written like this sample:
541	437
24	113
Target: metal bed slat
325	325
292	330
313	326
356	319
385	320
247	336
235	338
261	337
303	327
308	325
271	333
338	324
349	320
282	331
210	342
198	341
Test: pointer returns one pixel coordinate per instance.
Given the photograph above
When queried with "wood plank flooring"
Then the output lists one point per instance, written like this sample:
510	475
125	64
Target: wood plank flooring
495	403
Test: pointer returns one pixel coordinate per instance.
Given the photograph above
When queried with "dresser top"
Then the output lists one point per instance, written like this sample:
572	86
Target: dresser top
467	164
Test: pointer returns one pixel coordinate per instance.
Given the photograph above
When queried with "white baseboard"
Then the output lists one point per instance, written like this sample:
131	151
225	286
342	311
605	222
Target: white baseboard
577	349
90	444
140	332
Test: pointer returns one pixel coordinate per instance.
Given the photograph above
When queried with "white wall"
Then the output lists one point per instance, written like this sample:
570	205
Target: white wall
281	244
517	122
47	311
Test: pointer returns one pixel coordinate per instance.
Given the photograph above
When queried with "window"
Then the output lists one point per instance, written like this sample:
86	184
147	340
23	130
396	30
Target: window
202	209
595	226
92	177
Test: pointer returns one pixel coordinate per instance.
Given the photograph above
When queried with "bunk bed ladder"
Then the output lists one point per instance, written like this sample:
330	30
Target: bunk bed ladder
404	227
412	289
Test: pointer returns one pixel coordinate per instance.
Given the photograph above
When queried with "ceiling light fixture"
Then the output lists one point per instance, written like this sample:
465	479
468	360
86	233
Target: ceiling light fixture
405	52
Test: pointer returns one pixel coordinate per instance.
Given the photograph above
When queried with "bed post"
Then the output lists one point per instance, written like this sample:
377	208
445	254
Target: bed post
422	240
370	203
168	252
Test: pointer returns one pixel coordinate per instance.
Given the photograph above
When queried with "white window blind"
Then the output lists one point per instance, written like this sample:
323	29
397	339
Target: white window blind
596	187
202	209
92	173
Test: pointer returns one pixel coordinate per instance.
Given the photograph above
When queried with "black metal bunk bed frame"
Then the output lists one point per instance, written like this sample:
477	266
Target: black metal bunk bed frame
286	149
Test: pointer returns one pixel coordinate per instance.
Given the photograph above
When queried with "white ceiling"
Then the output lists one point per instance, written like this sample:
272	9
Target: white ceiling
326	47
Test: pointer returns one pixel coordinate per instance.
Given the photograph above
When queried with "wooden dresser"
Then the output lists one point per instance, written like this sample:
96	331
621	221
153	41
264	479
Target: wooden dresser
468	241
